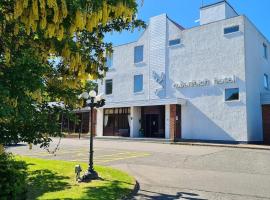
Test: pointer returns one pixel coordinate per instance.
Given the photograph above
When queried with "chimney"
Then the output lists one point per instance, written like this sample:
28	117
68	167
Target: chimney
216	12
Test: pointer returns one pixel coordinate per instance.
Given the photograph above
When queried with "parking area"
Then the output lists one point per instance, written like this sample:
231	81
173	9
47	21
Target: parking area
166	171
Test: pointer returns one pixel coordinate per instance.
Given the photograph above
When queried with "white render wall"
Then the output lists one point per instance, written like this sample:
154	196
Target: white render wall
216	12
205	53
135	114
99	125
256	67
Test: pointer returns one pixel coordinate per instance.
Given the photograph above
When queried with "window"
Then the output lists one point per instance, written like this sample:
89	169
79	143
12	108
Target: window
138	83
174	42
108	86
265	51
109	62
265	81
231	29
138	54
116	122
231	94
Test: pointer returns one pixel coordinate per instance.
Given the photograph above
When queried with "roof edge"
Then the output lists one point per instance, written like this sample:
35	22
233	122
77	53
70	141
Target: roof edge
219	2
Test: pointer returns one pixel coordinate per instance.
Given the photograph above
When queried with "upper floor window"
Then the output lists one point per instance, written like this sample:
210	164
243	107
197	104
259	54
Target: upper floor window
174	42
138	54
231	94
265	51
109	62
108	86
231	29
266	81
138	83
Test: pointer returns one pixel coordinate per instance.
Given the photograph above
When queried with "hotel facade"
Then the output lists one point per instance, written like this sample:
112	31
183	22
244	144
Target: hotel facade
209	82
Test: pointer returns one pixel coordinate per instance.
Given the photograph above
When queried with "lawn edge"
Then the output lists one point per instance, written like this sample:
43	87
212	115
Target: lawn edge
135	190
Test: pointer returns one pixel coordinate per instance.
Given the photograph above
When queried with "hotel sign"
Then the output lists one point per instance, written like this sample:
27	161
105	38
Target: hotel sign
205	82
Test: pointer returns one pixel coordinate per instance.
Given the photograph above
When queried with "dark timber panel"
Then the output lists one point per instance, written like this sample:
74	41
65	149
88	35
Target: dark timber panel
266	123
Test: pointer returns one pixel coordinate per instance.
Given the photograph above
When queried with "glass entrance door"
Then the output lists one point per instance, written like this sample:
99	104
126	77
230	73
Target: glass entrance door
151	125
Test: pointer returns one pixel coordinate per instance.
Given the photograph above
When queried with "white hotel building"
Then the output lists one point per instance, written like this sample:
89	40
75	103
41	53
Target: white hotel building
209	82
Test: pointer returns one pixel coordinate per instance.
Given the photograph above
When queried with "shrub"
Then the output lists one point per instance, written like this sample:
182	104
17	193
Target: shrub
13	176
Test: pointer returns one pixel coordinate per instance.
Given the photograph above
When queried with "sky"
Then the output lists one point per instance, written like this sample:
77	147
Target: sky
186	12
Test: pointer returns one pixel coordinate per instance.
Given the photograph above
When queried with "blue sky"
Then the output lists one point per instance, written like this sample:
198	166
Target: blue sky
185	12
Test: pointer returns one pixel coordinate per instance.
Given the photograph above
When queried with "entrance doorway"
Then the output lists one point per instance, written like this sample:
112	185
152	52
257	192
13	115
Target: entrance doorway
153	121
266	123
151	125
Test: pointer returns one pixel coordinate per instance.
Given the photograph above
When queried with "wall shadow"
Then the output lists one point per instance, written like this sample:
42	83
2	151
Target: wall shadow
205	128
43	181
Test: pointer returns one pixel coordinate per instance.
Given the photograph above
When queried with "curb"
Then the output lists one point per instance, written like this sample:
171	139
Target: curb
133	192
233	146
146	140
187	143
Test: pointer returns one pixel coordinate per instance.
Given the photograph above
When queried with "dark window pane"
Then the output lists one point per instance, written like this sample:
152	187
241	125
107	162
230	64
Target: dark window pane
266	83
138	54
174	42
111	111
265	51
138	83
231	29
108	86
231	94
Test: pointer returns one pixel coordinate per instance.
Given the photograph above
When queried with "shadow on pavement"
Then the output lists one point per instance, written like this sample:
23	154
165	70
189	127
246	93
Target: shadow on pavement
149	195
15	145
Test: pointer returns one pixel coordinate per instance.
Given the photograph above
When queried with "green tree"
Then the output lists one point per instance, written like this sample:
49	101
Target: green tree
49	49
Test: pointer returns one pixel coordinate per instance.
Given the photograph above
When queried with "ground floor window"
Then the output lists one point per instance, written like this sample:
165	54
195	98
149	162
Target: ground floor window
116	122
231	94
77	123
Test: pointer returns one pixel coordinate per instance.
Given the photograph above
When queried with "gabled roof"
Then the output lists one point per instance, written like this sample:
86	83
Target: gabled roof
176	24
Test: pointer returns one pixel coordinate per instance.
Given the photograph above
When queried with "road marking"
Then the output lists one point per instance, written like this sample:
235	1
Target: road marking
125	156
115	157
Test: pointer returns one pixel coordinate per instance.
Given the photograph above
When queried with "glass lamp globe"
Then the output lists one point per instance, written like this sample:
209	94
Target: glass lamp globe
84	95
102	96
88	101
92	93
98	98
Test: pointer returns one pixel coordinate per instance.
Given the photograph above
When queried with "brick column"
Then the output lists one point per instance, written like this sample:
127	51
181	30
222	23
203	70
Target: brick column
172	121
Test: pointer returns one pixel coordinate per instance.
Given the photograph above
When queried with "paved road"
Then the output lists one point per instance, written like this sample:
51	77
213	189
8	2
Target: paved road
169	172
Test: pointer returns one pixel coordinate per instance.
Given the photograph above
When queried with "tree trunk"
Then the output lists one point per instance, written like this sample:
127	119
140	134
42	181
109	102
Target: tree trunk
2	149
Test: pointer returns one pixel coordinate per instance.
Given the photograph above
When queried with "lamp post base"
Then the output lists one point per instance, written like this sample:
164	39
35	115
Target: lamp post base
89	176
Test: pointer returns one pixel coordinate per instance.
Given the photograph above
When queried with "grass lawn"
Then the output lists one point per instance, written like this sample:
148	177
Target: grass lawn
50	179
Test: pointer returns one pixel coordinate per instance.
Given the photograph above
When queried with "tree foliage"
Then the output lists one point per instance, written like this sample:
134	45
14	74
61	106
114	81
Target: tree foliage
49	49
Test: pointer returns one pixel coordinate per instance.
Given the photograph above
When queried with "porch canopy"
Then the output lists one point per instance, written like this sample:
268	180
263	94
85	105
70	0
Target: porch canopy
151	102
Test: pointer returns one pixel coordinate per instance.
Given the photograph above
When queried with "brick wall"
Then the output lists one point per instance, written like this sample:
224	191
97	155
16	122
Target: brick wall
172	121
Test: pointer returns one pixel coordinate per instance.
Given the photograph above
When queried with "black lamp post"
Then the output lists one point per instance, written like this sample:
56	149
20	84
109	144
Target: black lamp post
93	101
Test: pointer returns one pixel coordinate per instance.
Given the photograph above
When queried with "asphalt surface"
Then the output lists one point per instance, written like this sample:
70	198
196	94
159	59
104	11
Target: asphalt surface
166	171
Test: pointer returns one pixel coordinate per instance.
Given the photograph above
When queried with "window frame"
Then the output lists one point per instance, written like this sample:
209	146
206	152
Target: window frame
134	83
232	100
266	81
142	54
106	81
265	51
109	58
231	29
174	44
